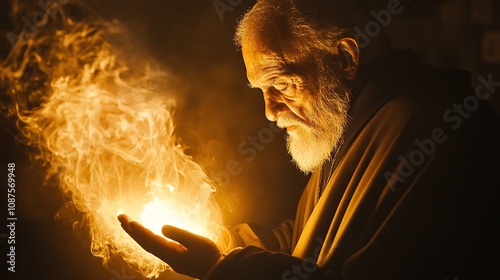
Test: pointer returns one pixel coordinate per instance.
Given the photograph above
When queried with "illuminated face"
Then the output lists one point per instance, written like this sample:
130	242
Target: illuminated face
310	101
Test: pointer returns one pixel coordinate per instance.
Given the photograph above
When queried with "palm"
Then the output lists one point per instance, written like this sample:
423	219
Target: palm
188	253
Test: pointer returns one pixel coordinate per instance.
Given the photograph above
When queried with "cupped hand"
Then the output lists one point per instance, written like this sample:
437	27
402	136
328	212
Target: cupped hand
189	254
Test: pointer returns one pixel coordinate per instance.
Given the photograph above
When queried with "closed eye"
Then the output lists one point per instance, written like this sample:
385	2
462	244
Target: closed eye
281	83
280	86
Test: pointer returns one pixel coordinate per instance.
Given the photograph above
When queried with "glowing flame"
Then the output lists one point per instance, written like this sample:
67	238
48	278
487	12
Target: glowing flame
107	134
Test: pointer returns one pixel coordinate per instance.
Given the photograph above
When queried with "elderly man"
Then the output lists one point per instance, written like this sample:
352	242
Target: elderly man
402	159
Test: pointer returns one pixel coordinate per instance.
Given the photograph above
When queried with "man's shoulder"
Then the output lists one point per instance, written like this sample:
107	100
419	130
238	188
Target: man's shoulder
402	77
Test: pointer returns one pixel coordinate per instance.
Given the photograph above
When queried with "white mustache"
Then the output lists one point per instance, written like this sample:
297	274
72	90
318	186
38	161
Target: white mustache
287	121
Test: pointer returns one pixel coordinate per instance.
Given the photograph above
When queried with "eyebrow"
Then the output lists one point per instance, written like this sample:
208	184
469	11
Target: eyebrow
270	72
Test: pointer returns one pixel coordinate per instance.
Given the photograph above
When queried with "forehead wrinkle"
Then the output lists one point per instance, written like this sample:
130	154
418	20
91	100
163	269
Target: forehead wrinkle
267	67
269	73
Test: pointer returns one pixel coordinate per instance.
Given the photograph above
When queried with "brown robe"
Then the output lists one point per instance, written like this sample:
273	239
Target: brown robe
411	193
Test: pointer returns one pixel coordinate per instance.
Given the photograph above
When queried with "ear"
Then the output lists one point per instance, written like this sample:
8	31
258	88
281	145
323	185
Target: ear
349	56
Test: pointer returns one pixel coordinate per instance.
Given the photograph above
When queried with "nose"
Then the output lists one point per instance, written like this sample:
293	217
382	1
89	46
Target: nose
274	106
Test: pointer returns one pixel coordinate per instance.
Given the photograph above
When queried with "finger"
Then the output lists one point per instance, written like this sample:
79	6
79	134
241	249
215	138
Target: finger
138	236
170	252
125	224
155	243
186	238
124	219
127	229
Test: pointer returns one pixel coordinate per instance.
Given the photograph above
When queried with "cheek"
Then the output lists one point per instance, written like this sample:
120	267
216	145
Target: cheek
302	107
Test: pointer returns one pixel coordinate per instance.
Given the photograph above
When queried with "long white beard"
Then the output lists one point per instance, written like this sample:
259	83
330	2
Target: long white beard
307	150
310	146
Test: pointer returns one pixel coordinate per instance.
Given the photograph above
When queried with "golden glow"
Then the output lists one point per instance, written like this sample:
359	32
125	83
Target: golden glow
158	212
104	126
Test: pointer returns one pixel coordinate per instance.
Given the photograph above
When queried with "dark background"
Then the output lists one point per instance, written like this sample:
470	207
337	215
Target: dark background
217	112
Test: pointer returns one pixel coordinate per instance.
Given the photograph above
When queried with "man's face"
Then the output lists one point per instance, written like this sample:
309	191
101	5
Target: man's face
310	101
